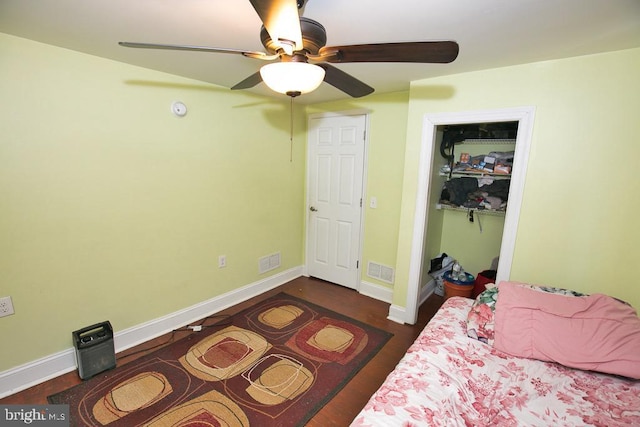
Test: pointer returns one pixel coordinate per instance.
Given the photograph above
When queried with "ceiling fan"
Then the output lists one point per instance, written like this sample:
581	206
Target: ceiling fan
304	62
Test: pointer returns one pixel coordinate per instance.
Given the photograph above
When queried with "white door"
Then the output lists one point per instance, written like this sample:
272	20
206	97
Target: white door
334	188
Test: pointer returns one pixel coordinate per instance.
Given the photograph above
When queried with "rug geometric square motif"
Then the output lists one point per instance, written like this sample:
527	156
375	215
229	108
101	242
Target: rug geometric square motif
274	364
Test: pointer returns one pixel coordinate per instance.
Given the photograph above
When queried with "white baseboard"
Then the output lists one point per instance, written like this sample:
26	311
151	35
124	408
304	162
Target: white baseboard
381	293
399	314
426	291
48	367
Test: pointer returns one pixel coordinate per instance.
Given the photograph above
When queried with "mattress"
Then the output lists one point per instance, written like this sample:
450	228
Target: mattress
449	379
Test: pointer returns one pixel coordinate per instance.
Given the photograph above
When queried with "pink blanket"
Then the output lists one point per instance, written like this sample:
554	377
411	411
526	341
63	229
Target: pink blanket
449	379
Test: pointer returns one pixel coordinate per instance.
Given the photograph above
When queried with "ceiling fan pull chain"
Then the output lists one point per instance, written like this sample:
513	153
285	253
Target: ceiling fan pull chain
291	133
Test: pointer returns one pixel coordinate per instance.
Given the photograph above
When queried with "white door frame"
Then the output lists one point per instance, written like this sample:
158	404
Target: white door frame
355	112
524	116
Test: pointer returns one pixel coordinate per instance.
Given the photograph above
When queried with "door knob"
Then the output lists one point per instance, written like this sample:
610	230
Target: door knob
312	209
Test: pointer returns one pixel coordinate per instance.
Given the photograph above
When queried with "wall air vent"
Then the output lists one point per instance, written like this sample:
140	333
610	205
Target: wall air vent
381	272
269	262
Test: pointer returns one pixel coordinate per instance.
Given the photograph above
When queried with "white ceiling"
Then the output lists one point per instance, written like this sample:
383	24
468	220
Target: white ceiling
491	33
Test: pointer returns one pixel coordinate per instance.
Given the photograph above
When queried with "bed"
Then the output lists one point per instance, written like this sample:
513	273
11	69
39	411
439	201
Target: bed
447	378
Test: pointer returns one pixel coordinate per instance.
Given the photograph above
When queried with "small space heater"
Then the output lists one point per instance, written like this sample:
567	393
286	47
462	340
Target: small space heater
95	352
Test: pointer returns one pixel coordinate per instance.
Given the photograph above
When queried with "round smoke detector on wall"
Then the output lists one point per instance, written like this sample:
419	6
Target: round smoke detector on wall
179	109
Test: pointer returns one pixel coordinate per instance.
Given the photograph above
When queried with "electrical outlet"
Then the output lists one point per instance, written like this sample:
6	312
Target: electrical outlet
6	306
222	261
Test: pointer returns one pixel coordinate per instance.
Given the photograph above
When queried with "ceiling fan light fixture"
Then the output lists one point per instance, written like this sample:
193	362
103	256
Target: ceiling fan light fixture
292	77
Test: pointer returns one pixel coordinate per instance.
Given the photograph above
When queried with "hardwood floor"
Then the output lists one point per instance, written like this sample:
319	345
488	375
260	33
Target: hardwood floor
343	408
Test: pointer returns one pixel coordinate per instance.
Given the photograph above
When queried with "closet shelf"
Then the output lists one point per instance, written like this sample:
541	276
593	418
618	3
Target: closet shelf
477	174
489	141
445	207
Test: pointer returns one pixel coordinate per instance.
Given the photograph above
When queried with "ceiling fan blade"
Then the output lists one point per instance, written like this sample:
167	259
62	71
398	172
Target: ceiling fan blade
282	22
421	52
250	54
345	82
249	82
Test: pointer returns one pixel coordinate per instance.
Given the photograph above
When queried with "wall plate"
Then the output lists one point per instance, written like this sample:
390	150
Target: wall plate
6	306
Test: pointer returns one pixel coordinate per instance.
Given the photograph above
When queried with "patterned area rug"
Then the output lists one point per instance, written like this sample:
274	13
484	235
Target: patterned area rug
274	364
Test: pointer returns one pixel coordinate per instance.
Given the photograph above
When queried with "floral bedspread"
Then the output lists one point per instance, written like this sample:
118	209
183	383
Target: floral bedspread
449	379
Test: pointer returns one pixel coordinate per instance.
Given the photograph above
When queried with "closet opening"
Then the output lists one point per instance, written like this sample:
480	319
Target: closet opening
473	236
474	164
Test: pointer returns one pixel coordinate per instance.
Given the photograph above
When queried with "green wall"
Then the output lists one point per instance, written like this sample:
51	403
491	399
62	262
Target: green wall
463	240
577	226
113	208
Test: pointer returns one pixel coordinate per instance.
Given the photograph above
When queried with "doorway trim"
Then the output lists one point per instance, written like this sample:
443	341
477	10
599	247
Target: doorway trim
524	116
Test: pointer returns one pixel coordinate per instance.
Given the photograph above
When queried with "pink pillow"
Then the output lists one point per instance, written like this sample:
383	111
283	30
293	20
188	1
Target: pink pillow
595	332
